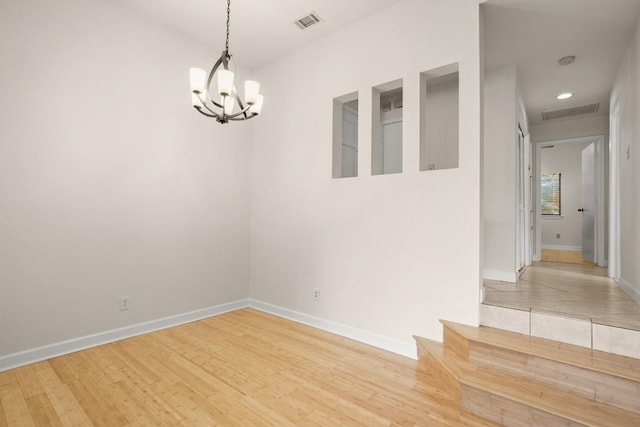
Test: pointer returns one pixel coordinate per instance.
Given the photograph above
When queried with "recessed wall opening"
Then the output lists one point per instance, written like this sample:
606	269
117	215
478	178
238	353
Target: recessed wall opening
345	136
439	118
386	131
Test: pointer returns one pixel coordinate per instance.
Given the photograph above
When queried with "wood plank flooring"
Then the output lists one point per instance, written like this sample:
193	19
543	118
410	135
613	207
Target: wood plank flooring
244	368
571	257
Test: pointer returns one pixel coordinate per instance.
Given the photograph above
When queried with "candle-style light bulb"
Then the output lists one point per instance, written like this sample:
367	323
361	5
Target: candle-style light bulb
225	82
198	77
257	107
229	102
251	91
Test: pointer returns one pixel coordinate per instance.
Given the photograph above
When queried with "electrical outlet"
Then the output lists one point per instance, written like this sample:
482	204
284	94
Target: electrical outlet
125	303
316	294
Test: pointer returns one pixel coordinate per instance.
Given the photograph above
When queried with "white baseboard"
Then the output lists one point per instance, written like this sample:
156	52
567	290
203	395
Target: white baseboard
49	351
562	248
502	276
38	354
395	346
630	290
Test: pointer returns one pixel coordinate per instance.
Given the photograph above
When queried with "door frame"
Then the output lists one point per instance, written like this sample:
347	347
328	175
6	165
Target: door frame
523	254
356	148
614	190
384	123
600	241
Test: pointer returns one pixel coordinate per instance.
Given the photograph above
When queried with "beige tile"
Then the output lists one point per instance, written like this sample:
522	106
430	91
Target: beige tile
617	320
580	291
616	340
564	329
513	320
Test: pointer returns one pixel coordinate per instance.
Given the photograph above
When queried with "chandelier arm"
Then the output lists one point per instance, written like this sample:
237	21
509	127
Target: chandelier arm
241	112
214	103
224	61
239	119
199	109
203	101
221	61
241	105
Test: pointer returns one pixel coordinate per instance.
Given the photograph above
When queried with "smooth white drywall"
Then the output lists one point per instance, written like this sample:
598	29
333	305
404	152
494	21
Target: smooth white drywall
577	127
627	91
567	160
390	254
500	143
110	183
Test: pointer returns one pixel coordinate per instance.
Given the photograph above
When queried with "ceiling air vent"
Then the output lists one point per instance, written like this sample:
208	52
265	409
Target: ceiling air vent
308	20
570	112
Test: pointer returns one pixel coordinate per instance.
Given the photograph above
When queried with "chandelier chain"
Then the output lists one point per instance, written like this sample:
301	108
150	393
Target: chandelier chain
226	47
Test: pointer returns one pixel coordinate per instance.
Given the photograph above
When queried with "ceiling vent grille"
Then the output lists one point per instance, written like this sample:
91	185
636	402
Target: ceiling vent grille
570	112
308	20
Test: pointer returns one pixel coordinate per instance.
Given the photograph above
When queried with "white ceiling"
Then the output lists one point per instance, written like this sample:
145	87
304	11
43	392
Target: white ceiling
534	34
261	30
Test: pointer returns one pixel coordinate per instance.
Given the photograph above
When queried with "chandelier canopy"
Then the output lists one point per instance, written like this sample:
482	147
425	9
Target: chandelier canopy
222	106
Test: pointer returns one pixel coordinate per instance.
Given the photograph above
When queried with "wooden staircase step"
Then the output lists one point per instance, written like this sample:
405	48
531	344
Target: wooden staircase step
510	400
441	364
438	360
592	374
595	360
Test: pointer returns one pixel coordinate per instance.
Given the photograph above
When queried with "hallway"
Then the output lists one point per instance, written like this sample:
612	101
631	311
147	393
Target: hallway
570	290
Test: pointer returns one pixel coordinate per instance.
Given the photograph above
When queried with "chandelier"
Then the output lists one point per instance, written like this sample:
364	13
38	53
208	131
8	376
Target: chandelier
223	106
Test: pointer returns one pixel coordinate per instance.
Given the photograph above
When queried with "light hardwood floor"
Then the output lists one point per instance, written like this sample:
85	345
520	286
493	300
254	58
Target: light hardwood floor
243	368
571	257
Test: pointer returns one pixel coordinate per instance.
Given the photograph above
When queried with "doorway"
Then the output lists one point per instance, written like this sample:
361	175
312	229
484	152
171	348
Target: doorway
570	202
392	146
350	139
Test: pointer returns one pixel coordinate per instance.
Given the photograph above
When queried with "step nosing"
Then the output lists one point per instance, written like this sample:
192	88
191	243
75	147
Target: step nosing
547	352
548	407
524	391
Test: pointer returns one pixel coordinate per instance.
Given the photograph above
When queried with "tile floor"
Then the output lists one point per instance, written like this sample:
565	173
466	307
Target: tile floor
570	290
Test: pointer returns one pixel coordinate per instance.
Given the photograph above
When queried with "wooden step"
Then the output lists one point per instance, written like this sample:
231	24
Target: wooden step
508	400
595	375
439	362
442	365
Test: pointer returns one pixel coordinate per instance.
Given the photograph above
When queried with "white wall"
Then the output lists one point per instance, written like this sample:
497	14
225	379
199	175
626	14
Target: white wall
554	130
391	254
500	126
111	184
567	160
627	91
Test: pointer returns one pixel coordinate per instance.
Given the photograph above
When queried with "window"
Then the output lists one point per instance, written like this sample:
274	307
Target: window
550	197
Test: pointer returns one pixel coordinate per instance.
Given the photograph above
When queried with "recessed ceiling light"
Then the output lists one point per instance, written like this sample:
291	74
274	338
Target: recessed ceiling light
566	60
565	95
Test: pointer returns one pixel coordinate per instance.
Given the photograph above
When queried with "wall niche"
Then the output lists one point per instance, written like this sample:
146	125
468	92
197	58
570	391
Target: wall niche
386	128
439	118
345	136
